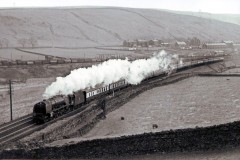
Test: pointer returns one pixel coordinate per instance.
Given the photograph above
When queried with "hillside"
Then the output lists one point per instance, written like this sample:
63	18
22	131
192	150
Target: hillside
87	27
230	18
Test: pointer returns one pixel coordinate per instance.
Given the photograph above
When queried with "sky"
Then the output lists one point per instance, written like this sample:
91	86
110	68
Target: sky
210	6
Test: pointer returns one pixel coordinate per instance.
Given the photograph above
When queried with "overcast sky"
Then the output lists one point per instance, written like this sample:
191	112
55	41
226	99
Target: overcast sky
211	6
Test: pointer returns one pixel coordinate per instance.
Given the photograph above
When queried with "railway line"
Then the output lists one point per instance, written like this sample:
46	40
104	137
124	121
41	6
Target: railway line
24	126
15	129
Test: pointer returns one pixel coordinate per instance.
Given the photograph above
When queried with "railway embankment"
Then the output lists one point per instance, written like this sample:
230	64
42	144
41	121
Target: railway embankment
220	74
182	140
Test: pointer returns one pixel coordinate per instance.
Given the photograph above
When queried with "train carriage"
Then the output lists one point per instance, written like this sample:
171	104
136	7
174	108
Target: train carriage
38	62
19	62
103	89
45	61
30	62
88	60
13	62
67	60
96	91
5	63
74	60
80	60
117	85
53	61
60	61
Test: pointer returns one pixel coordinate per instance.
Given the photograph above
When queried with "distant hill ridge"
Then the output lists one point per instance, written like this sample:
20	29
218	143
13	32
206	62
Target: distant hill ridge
230	18
86	27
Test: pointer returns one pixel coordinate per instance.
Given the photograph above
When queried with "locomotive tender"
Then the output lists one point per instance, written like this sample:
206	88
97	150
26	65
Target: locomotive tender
61	104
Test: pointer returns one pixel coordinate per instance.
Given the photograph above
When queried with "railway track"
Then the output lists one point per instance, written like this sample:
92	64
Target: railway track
24	126
15	129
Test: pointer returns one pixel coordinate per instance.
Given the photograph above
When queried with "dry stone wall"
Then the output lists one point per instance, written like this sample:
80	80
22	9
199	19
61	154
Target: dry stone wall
182	140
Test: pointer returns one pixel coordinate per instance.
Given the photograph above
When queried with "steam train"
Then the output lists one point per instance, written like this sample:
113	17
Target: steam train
61	104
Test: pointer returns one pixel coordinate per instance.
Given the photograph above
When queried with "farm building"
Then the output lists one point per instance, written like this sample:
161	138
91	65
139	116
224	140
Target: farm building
165	44
142	43
229	43
181	45
236	45
214	45
217	52
129	43
156	42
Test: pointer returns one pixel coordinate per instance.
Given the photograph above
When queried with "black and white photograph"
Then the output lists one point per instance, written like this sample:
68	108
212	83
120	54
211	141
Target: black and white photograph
120	79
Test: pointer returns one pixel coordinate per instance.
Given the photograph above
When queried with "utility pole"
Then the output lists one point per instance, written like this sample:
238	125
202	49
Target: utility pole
10	93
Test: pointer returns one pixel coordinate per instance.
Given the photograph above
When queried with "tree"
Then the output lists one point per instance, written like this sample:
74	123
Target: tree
33	42
145	44
124	43
137	42
22	42
195	41
151	42
160	42
5	43
188	41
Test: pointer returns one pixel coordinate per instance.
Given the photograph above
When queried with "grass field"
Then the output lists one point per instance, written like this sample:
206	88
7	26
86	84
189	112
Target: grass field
197	101
13	54
25	95
81	53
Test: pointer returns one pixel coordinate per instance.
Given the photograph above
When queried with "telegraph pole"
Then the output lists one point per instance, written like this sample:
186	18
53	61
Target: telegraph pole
10	93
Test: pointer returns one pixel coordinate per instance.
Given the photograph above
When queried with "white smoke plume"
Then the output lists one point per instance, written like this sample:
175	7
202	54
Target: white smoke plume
109	72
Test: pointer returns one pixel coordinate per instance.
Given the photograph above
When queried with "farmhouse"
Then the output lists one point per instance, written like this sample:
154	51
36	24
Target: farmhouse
181	45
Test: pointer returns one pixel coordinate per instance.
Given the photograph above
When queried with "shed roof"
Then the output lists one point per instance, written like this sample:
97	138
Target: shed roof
181	43
228	42
215	44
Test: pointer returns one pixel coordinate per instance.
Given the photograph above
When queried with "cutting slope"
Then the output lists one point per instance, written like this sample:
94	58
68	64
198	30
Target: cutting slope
83	27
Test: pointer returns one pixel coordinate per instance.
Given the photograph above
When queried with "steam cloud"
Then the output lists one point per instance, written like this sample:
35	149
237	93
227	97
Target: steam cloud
109	72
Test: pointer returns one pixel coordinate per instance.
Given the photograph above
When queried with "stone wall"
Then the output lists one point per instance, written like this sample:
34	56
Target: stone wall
182	140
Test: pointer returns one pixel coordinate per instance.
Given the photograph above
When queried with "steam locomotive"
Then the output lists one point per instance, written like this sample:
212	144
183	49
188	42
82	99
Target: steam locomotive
61	104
